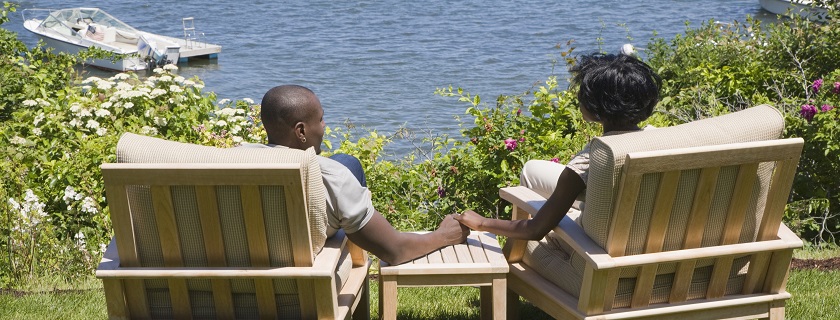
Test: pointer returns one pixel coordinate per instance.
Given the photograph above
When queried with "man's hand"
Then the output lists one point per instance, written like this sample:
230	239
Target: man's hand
452	231
470	219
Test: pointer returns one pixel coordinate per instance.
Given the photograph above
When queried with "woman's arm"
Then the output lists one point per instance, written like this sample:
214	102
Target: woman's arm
569	185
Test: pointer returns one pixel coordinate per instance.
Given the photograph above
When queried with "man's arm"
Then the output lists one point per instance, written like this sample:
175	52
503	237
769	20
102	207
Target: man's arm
394	247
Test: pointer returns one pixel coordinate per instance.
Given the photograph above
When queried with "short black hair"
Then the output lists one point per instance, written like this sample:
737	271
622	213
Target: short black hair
616	89
285	105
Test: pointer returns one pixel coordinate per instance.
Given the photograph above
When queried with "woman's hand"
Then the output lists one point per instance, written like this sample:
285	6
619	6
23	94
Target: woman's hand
471	219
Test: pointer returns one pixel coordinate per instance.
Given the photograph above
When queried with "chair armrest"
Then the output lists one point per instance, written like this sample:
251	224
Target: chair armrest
523	198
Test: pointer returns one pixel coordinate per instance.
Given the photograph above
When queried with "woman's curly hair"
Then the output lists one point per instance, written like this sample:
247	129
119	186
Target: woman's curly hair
616	89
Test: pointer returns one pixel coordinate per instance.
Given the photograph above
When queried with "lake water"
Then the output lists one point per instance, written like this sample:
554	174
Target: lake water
377	63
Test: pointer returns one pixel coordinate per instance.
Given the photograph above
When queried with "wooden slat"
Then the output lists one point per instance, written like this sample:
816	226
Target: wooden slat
211	230
115	299
625	207
491	250
476	248
325	297
298	217
449	255
777	197
592	293
170	246
715	155
435	257
644	286
463	253
682	281
777	271
135	290
202	173
747	177
258	248
388	297
660	217
699	215
720	276
756	273
611	287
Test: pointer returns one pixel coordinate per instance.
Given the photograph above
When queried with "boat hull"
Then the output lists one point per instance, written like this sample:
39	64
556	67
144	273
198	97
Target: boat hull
799	7
121	63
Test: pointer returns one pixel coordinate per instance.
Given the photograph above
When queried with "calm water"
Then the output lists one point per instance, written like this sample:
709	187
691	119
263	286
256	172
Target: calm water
377	63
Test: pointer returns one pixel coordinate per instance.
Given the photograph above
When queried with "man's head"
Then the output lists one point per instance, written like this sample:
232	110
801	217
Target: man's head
616	89
293	117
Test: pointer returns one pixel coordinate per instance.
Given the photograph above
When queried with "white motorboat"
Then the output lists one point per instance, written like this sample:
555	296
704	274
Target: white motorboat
805	8
76	29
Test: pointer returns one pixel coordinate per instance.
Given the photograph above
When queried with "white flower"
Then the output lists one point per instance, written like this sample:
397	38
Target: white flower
157	70
30	196
101	131
149	131
175	88
123	86
248	100
37	131
237	139
160	121
75	107
235	129
30	103
121	76
179	79
92	124
240	111
75	122
227	112
221	123
102	112
128	105
15	205
165	78
17	140
85	113
157	92
43	102
104	85
152	79
224	101
86	88
38	119
149	112
90	80
189	83
170	67
200	86
89	205
69	194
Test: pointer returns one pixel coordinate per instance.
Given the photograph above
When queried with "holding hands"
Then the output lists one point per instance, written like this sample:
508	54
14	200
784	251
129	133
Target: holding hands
470	219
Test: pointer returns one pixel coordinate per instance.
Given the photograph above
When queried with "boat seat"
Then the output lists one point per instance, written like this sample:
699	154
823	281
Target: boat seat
126	37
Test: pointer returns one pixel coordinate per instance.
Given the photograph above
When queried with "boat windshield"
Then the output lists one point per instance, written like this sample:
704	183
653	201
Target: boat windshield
79	17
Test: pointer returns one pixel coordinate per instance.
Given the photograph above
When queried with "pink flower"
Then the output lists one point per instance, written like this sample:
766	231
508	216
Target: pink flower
441	192
837	87
522	139
826	108
518	112
555	160
510	144
808	111
817	84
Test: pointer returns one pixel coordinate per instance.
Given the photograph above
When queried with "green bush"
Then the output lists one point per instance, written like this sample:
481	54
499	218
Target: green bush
57	128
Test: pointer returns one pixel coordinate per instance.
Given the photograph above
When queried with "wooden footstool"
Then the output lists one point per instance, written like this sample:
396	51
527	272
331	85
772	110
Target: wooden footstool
478	262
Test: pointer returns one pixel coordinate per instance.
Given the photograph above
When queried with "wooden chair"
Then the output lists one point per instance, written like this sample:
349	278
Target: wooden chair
201	232
679	223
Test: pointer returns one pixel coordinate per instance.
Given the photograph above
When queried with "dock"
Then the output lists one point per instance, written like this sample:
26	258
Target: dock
192	49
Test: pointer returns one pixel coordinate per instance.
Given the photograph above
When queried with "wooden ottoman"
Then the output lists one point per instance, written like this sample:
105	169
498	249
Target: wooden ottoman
478	262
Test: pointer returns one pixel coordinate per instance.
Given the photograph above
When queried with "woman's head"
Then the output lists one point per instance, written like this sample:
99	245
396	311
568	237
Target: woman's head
616	90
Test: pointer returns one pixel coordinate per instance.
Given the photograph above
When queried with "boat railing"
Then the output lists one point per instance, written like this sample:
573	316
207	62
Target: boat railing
192	38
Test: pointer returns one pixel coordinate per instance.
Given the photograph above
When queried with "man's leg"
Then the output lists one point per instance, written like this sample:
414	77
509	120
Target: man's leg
353	164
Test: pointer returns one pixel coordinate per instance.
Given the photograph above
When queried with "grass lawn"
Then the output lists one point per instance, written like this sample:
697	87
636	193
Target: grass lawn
814	297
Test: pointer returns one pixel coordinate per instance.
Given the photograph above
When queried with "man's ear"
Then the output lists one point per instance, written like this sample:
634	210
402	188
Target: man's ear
300	130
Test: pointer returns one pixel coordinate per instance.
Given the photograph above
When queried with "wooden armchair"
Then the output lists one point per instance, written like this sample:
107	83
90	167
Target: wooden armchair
679	223
202	232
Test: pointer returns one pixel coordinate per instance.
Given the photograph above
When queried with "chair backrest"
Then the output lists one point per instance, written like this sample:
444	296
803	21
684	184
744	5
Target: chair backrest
196	206
730	190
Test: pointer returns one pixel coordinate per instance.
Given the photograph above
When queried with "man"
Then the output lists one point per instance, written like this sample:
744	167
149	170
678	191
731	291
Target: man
293	117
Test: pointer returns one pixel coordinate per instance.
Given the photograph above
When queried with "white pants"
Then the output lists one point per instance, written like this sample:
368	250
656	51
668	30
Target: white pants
541	176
